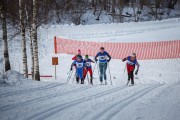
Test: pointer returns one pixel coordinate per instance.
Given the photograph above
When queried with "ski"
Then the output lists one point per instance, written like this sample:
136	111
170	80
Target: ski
127	83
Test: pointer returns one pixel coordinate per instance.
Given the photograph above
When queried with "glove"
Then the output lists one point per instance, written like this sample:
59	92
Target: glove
108	60
96	60
123	60
71	68
136	72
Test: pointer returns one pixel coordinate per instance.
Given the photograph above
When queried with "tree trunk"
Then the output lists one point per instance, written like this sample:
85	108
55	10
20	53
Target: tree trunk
105	4
113	6
121	6
32	56
29	27
95	7
93	3
58	20
3	10
35	42
23	44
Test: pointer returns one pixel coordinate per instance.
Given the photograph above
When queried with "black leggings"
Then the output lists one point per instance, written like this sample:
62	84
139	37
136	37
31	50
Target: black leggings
131	76
77	80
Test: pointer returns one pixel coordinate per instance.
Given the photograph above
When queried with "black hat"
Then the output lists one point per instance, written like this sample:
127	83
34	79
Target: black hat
79	57
101	48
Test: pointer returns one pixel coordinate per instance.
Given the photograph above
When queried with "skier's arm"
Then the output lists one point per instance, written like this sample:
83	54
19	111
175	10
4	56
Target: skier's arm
124	59
92	61
137	68
84	65
109	57
95	58
73	64
74	58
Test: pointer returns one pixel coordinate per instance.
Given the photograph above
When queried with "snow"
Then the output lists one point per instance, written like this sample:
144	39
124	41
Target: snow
155	95
12	77
117	32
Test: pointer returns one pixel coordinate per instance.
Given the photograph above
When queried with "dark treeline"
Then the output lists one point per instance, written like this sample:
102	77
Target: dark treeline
72	10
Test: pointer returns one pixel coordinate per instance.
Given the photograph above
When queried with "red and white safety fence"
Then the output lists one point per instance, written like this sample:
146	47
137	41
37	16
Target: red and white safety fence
144	50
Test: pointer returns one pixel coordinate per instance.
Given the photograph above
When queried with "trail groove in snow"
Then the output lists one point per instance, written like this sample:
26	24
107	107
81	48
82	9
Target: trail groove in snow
40	99
73	103
25	91
111	112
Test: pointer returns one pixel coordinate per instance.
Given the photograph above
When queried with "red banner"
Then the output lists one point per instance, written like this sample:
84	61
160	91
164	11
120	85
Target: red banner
144	50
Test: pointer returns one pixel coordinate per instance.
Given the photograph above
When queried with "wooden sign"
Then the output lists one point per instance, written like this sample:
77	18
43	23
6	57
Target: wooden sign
54	60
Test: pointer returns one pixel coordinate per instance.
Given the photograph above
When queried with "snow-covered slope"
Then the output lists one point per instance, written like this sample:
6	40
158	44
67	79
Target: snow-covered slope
128	32
155	95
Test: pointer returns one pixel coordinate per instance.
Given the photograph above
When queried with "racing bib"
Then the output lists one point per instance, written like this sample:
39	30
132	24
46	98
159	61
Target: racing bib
130	63
79	65
88	64
102	57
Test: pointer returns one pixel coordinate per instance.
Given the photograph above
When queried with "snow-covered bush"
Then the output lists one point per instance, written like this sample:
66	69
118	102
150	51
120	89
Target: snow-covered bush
12	77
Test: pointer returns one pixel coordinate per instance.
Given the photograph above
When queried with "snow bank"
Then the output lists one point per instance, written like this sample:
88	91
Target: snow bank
12	77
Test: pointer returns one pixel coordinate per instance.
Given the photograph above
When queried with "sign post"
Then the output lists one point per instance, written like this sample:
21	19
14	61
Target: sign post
55	62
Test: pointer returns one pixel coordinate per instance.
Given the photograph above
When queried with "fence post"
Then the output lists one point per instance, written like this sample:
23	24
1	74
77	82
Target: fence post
55	45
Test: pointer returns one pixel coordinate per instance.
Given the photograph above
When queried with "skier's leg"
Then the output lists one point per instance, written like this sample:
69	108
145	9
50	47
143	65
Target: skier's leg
90	71
85	73
91	76
129	76
77	79
132	78
129	72
101	71
104	71
81	75
82	81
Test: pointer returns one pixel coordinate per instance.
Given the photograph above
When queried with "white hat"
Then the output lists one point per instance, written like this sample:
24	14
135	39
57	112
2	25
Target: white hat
133	55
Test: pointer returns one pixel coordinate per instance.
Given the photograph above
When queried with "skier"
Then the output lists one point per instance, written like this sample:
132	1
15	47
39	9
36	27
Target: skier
131	62
103	57
88	68
79	53
80	65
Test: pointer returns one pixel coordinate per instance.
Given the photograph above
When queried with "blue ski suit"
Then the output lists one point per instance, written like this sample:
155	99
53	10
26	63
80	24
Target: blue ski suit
80	65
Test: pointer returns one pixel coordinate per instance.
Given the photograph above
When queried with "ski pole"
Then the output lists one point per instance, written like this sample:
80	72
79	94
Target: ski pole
127	82
87	76
74	77
124	75
94	67
98	68
124	72
69	77
110	73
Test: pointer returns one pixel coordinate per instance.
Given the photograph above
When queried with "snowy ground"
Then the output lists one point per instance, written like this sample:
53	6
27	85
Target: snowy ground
155	95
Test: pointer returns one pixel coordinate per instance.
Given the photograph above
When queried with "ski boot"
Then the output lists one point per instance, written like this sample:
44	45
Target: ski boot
77	80
105	82
101	83
82	81
91	81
